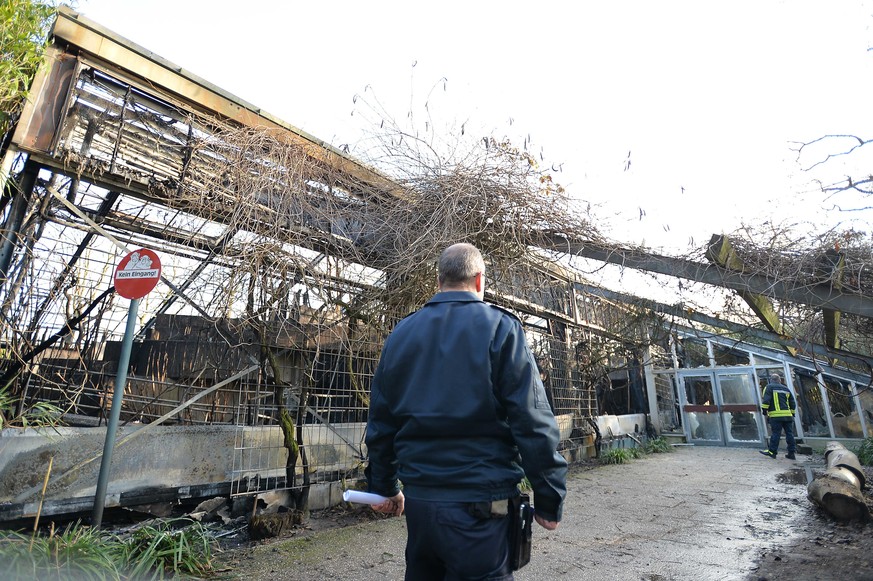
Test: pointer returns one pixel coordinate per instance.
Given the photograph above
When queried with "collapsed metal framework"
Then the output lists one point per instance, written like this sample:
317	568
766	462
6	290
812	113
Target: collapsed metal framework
108	155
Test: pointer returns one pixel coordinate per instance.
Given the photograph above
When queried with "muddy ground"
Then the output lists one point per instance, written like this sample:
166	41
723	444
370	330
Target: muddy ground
700	513
823	548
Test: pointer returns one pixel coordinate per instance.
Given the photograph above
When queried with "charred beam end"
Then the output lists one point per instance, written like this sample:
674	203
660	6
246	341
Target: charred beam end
721	252
819	296
831	265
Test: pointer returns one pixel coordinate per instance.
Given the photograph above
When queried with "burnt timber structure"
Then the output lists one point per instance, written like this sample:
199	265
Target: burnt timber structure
107	154
110	150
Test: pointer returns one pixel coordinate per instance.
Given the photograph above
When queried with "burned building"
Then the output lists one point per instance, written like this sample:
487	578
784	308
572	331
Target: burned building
283	270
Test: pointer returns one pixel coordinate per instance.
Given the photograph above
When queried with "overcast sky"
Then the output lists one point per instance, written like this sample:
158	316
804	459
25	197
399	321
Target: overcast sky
705	96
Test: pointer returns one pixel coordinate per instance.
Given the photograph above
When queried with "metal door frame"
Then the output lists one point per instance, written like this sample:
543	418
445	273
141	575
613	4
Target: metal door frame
718	408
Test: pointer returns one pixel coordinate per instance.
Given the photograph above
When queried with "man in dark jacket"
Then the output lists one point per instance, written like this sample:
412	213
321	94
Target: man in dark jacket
459	415
779	406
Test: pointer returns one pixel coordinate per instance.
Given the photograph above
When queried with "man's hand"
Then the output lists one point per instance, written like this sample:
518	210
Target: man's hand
546	524
393	505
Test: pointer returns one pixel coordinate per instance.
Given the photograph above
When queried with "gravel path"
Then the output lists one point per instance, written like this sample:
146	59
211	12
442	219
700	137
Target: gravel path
699	513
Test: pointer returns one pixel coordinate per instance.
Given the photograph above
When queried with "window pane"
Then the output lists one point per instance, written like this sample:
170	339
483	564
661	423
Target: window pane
764	376
668	407
698	390
728	356
736	389
741	427
810	405
844	414
761	360
704	425
692	353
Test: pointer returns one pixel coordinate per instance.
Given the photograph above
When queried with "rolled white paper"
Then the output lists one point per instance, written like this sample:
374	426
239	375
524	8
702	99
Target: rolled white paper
363	497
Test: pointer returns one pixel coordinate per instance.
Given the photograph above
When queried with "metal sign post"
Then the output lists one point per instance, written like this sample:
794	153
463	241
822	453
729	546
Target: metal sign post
115	412
137	274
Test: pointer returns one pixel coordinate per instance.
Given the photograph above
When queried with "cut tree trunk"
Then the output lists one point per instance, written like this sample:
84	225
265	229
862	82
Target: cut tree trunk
838	490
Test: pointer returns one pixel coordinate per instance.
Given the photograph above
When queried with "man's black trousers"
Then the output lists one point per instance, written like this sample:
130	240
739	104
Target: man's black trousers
454	541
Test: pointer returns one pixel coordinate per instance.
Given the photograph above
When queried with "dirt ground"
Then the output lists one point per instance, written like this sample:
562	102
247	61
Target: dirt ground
778	534
823	548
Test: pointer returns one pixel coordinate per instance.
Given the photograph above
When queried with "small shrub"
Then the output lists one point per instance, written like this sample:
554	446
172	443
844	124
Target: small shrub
658	445
39	415
168	547
24	31
864	452
7	406
616	456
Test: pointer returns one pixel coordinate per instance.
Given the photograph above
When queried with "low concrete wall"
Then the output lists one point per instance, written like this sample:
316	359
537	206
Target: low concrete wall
160	463
170	463
616	426
163	457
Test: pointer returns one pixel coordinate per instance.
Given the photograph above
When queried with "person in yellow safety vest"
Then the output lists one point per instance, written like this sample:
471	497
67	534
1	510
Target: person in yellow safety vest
779	406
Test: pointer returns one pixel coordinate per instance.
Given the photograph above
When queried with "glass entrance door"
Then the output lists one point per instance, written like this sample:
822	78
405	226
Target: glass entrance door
722	408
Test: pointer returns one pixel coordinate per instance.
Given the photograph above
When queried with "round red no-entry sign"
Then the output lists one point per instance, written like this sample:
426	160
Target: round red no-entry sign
137	274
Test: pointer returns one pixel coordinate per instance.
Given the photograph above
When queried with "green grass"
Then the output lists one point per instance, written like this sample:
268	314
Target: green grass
152	551
77	553
157	551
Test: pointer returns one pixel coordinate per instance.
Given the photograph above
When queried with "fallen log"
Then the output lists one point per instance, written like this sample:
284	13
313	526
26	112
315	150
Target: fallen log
838	455
838	490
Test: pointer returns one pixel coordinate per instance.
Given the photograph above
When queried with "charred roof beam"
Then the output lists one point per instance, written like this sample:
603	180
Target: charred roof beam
831	265
820	296
721	252
679	311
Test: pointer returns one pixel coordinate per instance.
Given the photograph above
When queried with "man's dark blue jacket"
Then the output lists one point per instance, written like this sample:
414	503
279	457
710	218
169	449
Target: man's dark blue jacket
456	398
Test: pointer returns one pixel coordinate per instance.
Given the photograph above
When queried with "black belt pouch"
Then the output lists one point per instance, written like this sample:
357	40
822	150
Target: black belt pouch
521	519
